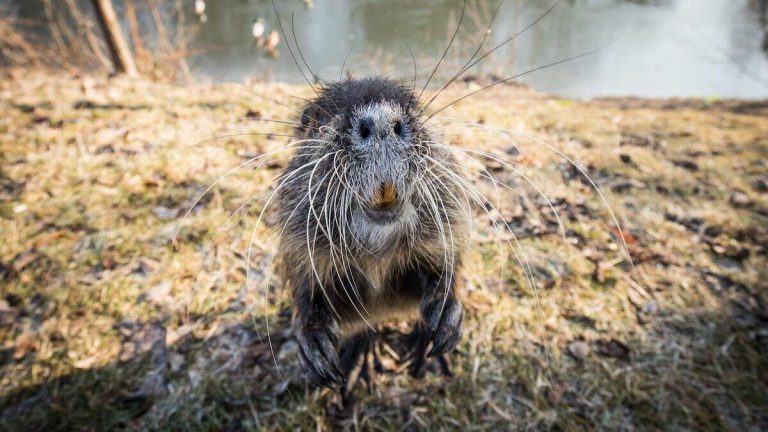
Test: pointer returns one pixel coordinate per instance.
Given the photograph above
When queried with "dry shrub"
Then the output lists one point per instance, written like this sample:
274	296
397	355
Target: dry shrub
67	37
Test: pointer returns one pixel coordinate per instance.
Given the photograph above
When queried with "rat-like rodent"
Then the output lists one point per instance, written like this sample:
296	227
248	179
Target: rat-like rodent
375	222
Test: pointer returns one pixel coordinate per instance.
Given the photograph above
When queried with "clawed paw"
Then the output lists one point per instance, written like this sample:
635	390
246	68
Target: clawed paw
443	318
318	357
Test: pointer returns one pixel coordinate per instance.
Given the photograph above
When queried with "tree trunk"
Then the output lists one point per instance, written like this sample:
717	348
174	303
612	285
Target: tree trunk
118	46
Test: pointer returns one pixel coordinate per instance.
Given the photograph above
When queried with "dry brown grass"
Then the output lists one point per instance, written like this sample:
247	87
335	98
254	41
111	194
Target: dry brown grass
115	314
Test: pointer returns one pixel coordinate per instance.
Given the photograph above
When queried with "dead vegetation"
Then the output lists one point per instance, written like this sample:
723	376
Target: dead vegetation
125	303
68	38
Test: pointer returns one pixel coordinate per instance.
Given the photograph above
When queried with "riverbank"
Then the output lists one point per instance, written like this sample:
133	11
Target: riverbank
125	304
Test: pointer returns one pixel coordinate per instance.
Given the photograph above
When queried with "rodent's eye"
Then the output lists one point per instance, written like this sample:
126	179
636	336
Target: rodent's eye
364	129
398	128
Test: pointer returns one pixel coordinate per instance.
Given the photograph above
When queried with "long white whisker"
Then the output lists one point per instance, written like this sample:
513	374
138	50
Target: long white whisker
506	132
250	251
246	162
524	263
526	178
329	237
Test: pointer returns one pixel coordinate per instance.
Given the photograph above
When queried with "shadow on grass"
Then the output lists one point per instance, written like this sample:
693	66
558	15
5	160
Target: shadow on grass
176	379
706	371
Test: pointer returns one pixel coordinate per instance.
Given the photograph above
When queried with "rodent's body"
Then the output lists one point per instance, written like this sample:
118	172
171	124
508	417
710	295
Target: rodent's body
374	223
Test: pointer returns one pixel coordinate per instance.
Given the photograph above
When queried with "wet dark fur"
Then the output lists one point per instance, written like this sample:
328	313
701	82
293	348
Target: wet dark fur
347	272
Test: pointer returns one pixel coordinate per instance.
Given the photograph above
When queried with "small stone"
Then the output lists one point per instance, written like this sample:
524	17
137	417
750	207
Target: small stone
717	283
578	349
175	361
651	308
165	212
289	350
739	199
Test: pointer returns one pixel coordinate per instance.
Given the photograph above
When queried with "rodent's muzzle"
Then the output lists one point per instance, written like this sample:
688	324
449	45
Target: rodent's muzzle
384	204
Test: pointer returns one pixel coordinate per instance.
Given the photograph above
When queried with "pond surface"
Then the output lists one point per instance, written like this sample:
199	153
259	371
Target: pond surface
706	48
657	48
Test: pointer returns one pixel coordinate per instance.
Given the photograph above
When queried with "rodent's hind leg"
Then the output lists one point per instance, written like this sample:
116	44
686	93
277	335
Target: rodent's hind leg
417	342
359	361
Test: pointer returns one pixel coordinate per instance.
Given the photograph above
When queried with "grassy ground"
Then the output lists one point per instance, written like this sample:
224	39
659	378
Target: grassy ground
125	303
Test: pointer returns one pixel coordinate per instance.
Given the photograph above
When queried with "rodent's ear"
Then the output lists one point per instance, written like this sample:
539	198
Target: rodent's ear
307	119
312	118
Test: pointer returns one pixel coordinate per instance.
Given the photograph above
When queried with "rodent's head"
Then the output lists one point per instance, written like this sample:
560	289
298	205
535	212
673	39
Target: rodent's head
365	164
373	126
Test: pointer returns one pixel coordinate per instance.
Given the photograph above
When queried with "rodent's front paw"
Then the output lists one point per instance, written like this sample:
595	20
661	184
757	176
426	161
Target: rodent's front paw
318	358
444	318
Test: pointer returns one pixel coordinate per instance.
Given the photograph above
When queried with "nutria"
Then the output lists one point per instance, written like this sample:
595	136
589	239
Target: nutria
375	222
376	216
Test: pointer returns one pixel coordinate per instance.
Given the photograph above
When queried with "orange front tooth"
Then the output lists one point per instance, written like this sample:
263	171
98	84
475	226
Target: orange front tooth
385	196
389	193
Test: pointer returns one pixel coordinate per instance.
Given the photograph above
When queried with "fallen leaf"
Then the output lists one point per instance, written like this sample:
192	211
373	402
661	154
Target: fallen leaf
152	386
140	338
25	343
23	259
251	114
599	273
555	393
629	238
158	294
8	313
612	348
761	184
46	239
686	164
247	154
145	266
172	336
626	185
85	363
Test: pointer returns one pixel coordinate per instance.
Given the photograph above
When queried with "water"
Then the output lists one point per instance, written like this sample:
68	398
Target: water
658	48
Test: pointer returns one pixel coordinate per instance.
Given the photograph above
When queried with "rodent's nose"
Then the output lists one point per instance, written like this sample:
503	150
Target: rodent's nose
367	127
384	197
